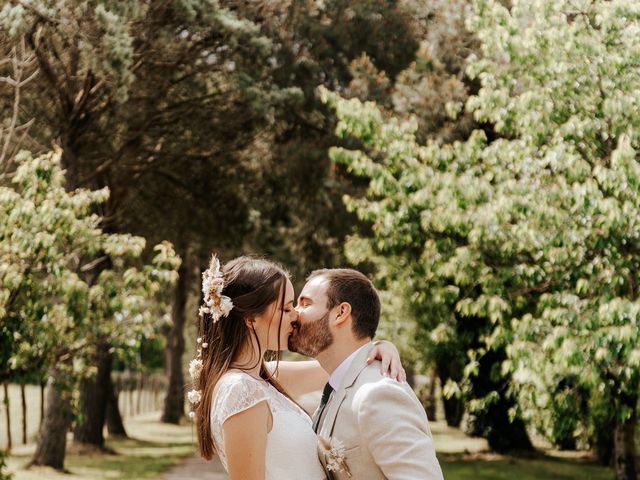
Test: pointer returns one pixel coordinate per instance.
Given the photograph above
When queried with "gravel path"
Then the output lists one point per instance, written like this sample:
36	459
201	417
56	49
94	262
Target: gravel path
196	468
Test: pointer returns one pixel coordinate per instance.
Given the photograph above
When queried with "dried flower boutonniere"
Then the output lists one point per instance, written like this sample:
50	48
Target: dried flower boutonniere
334	453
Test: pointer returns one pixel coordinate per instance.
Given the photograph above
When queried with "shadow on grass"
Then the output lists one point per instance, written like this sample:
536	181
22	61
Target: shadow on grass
151	450
468	458
136	443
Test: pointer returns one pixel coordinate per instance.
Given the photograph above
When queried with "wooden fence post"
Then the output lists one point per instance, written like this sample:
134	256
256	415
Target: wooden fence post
119	386
152	390
139	399
130	389
157	387
8	415
24	413
42	387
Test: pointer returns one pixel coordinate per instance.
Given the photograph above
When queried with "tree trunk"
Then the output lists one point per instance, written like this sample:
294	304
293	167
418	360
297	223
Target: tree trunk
93	401
604	427
453	410
493	422
449	366
52	439
174	401
453	406
624	445
506	435
503	434
115	426
430	401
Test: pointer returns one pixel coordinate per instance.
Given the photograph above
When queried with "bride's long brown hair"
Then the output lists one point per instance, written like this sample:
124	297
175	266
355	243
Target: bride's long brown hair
253	284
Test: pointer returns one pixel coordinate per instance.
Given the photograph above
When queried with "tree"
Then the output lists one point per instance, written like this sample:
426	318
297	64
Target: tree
181	89
315	44
435	76
48	239
536	231
434	81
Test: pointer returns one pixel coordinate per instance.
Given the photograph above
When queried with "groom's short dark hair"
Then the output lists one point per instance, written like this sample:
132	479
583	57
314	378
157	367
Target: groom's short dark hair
353	287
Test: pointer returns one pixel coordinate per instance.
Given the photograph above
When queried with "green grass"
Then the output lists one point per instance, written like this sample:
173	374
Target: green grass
523	469
467	458
156	447
153	448
128	402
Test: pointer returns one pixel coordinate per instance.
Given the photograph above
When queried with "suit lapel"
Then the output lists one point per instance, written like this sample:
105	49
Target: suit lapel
332	408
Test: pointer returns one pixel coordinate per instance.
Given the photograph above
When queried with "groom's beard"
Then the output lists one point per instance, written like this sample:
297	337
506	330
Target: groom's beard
311	338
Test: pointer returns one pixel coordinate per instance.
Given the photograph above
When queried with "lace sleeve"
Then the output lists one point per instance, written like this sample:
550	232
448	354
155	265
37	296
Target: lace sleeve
236	393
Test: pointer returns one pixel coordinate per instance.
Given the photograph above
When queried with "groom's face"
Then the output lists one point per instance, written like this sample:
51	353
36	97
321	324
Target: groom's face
312	335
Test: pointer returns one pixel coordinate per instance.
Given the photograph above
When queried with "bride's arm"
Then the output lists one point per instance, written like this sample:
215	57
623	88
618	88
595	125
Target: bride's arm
245	442
300	377
307	376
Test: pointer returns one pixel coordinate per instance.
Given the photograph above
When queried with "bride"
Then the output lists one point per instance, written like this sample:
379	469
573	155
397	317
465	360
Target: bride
244	407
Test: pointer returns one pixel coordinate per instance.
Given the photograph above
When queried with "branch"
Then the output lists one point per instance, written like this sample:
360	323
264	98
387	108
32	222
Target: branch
20	62
91	265
46	67
38	13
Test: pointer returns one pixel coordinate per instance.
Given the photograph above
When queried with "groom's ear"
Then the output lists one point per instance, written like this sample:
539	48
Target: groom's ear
344	312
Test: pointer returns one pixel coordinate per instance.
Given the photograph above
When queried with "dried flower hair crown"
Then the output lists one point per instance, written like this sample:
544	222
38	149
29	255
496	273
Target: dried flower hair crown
195	369
215	304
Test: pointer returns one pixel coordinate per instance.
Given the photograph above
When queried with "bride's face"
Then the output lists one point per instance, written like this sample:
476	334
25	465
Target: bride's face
267	324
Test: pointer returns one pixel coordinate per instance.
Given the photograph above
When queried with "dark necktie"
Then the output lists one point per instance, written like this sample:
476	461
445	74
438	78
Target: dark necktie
323	403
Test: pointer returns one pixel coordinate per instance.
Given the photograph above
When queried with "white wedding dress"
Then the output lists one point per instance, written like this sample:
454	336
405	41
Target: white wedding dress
291	444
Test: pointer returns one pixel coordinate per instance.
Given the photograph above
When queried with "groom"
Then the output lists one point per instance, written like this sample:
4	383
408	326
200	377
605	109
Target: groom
369	427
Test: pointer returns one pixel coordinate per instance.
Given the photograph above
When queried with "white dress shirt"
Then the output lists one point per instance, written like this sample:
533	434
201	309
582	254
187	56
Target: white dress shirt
337	376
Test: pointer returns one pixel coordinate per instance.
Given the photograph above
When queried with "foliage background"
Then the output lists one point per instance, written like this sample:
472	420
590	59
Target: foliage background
477	159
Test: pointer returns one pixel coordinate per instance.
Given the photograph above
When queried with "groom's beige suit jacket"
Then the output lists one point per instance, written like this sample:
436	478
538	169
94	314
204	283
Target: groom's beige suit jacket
380	424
